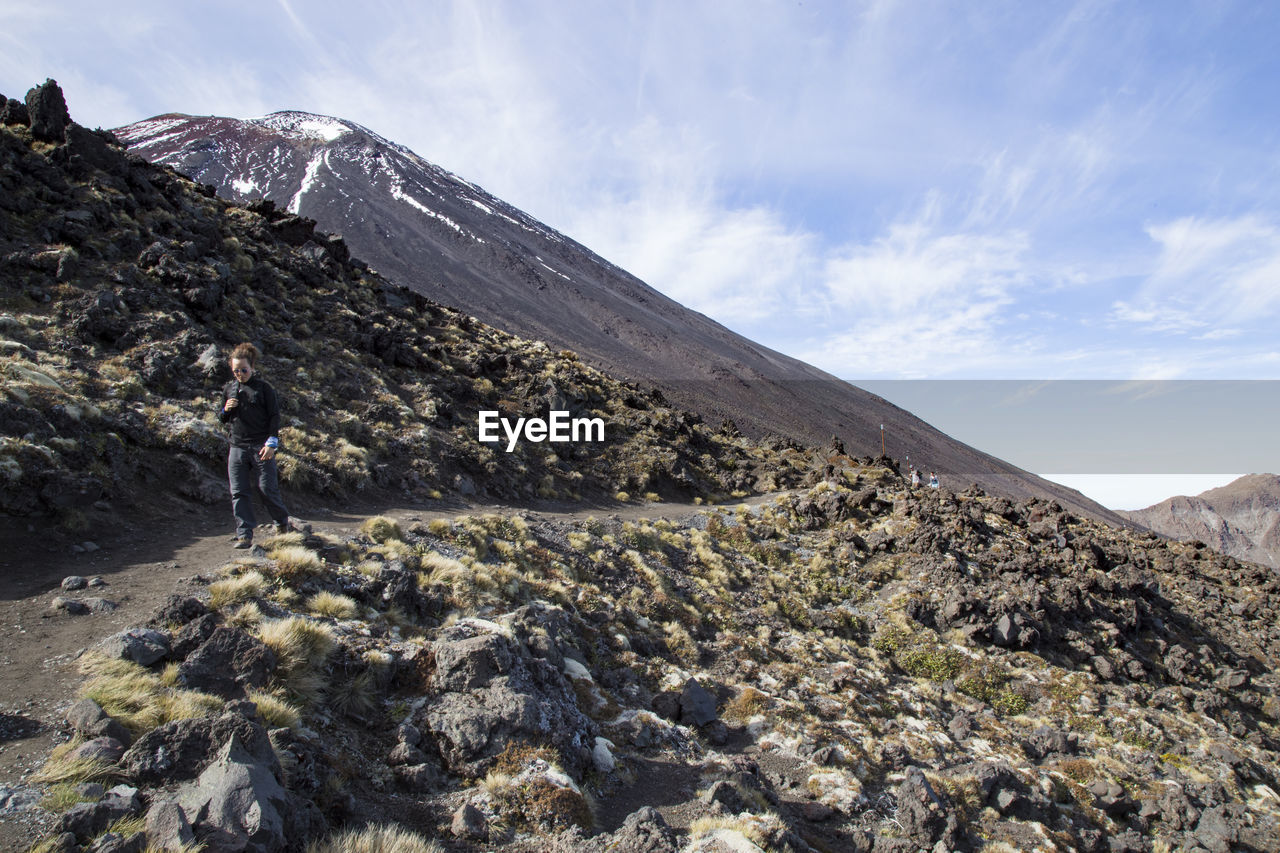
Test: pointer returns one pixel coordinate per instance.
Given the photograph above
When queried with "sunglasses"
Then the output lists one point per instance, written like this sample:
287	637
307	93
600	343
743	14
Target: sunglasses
238	370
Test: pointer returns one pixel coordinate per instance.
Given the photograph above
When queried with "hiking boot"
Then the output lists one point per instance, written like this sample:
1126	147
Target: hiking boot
283	527
243	542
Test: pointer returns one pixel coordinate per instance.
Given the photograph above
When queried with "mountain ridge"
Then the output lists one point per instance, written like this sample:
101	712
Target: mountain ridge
443	236
1241	519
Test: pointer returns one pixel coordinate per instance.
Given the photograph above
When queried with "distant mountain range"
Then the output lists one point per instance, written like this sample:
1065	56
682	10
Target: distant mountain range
455	243
1241	519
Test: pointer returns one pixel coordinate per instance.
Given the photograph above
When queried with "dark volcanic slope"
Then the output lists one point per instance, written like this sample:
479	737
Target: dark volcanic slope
448	239
1241	519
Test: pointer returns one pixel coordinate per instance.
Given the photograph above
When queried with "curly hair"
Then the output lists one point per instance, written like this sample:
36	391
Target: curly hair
246	352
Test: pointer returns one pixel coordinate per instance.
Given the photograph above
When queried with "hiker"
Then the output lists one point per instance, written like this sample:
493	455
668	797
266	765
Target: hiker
915	478
253	410
933	480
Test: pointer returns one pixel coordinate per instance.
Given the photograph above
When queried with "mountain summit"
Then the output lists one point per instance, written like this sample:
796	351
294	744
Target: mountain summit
435	233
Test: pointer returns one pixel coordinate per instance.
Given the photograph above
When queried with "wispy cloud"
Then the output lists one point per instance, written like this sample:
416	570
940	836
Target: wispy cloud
1211	275
882	187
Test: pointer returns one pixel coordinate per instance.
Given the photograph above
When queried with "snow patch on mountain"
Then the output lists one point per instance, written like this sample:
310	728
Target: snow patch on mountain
303	125
308	178
398	193
249	187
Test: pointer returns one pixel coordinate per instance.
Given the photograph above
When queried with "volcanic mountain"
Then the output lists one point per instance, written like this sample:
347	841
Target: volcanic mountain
1241	519
446	238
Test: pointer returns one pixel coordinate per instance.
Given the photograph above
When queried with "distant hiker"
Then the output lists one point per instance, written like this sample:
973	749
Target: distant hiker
253	410
933	480
915	478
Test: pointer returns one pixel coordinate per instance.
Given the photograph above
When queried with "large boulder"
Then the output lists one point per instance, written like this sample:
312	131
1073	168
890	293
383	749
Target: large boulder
697	705
48	112
143	646
492	692
180	750
237	805
87	820
227	663
925	816
88	719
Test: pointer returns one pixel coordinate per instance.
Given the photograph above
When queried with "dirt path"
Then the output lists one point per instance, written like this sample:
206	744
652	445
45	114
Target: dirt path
141	565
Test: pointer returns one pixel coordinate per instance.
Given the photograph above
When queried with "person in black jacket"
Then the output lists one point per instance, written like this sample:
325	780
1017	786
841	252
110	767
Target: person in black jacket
252	409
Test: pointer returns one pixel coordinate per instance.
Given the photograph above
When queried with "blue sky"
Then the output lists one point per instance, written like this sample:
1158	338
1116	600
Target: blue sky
894	190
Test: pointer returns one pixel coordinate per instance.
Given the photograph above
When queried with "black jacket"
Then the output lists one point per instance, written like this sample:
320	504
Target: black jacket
257	418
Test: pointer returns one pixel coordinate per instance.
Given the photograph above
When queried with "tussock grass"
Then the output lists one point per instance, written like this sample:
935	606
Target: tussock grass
235	590
60	769
354	697
277	712
681	644
169	675
469	585
139	699
301	646
128	826
334	605
293	538
375	839
745	705
247	616
294	561
381	529
705	826
62	796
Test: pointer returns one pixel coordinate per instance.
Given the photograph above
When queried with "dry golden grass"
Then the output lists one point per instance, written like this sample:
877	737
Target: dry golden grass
62	769
301	646
704	826
681	643
139	699
334	605
62	796
235	590
745	705
278	713
375	839
294	561
382	529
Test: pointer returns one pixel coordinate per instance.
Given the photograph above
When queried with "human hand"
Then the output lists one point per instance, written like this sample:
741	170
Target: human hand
266	453
231	403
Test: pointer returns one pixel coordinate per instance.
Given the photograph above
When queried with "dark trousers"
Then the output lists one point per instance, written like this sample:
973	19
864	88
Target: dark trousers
244	470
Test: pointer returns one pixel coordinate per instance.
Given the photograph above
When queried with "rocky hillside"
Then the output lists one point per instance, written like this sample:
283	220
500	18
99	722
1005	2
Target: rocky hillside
1241	519
123	286
446	238
852	667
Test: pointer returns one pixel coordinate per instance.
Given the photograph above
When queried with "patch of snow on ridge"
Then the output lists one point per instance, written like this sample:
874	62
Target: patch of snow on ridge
326	130
154	140
140	129
309	178
245	187
398	193
551	269
303	125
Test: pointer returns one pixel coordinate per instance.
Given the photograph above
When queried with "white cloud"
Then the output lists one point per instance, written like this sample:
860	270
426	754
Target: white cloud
1210	274
914	268
741	267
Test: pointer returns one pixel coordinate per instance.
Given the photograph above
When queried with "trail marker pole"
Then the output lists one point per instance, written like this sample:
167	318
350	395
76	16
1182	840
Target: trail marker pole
882	439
